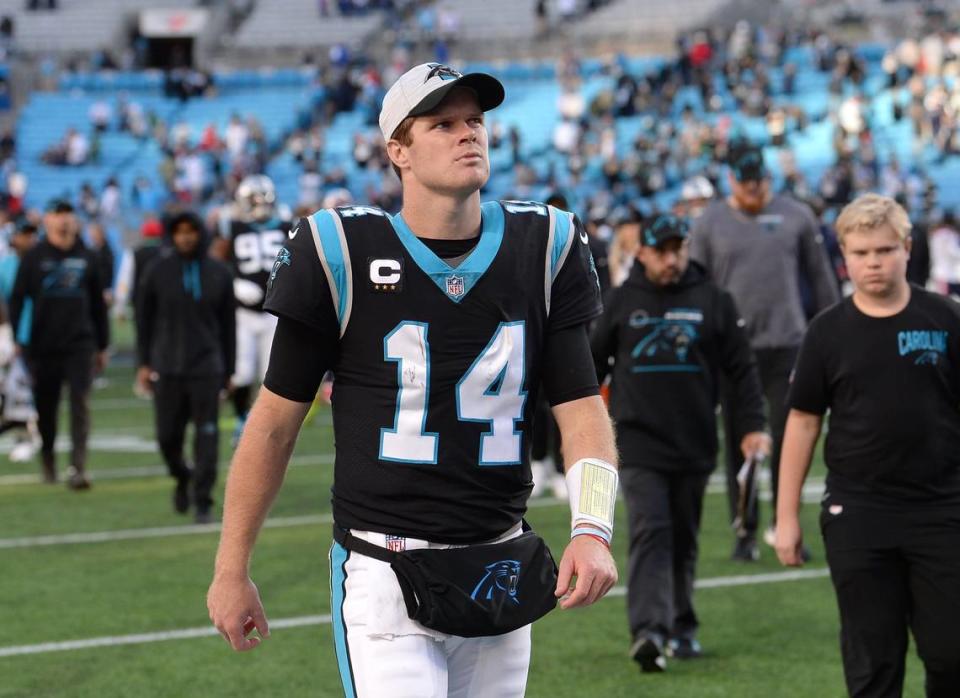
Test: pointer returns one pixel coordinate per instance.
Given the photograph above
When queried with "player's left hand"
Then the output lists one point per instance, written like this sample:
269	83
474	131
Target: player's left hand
591	563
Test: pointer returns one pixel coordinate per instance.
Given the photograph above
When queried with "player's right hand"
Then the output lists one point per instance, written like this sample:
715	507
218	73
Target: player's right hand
144	381
235	610
789	541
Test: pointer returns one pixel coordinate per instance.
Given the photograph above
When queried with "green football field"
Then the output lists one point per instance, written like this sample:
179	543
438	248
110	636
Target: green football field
102	593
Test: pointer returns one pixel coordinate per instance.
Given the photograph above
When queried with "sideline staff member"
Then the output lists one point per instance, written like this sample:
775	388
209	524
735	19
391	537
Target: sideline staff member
68	336
886	363
672	333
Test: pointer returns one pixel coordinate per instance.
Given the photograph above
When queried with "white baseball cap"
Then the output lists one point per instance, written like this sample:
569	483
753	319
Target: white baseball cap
697	187
423	87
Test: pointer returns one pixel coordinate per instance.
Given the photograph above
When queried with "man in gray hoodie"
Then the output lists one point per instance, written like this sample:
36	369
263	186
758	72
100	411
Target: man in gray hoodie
758	245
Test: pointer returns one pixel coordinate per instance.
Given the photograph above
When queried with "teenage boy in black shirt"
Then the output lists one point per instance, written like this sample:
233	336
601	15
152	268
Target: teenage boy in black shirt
886	363
672	333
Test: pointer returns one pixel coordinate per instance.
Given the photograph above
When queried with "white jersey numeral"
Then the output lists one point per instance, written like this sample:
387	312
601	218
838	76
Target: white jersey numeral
490	391
354	211
525	207
257	251
407	442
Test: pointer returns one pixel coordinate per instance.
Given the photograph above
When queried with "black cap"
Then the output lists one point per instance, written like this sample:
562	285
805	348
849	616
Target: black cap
747	165
59	206
25	226
664	227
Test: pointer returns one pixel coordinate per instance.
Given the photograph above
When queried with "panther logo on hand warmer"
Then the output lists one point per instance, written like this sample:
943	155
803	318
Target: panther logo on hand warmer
501	578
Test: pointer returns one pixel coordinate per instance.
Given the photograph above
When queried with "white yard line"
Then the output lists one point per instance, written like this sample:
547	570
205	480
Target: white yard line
144	533
143	638
301	621
120	403
150	470
171	531
811	493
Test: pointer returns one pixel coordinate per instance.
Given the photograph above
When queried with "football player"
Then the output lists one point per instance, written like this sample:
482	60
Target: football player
252	231
439	324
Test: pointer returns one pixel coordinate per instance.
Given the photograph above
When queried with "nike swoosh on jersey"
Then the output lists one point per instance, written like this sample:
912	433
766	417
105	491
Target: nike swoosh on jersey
293	233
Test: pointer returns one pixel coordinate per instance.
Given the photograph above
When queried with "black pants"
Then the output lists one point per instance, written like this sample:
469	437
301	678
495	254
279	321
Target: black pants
893	570
49	373
179	400
663	511
774	366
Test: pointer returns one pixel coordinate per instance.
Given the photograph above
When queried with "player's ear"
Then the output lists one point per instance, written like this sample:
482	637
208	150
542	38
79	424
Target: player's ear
397	152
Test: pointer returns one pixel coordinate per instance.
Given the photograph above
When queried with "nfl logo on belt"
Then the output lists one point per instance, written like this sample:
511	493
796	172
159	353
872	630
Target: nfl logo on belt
455	286
396	544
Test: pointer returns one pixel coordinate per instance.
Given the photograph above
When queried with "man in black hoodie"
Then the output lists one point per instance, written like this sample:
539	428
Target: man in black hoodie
58	283
670	333
186	344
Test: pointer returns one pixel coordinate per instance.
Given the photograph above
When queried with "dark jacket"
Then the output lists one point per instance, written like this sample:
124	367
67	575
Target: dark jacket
669	346
185	316
143	257
63	293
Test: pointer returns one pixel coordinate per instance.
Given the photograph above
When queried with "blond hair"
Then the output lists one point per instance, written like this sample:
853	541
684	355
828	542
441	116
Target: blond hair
872	211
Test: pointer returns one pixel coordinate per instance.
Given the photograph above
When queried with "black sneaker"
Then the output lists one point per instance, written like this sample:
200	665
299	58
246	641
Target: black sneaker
745	550
77	481
684	648
203	517
647	651
181	496
49	468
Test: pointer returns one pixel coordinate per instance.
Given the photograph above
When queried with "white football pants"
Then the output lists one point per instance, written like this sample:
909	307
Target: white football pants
254	339
381	653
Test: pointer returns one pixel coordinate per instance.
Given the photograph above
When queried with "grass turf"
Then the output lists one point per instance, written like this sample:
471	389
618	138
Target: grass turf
760	640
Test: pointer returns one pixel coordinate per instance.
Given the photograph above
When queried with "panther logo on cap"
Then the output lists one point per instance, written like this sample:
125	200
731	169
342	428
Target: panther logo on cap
444	72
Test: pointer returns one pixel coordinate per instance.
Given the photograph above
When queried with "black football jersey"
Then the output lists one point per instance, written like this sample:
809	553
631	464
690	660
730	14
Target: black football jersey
438	366
253	250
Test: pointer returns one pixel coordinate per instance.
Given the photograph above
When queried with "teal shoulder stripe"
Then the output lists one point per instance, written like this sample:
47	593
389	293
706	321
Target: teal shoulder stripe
562	237
335	259
338	582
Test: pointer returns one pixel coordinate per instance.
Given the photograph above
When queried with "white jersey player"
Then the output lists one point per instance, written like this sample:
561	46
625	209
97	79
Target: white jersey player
251	232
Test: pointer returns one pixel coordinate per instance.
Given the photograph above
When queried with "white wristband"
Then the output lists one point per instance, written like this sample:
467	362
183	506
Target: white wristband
592	488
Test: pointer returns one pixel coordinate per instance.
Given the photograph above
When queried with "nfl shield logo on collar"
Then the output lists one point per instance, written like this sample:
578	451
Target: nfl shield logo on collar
454	286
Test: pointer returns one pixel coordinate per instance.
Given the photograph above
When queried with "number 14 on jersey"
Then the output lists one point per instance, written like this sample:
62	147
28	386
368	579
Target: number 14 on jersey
491	392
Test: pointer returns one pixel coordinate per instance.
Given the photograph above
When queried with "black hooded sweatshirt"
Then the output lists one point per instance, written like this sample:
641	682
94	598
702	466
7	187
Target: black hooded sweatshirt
64	292
186	323
670	344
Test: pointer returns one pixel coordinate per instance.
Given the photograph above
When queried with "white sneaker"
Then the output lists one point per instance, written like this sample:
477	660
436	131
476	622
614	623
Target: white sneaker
24	450
770	536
